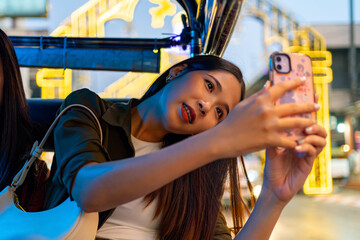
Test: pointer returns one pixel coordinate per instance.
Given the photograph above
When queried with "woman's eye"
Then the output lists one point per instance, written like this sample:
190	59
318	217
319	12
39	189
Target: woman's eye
209	85
219	113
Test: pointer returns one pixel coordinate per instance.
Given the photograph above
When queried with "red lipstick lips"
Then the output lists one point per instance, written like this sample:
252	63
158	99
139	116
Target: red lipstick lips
190	113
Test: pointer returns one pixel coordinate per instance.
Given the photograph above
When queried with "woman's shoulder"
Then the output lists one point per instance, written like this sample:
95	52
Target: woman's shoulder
87	98
81	96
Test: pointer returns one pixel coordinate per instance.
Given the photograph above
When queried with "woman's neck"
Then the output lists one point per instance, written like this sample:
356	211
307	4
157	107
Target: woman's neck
146	123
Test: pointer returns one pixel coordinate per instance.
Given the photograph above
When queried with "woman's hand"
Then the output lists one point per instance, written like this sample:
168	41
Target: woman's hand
285	173
257	123
287	169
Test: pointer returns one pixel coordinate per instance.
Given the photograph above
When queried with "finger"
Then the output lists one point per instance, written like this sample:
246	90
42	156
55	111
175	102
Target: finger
289	109
284	142
307	153
316	130
314	140
279	89
294	122
317	142
316	98
306	148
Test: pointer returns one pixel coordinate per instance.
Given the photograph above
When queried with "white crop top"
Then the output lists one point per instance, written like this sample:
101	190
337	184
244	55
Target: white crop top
132	221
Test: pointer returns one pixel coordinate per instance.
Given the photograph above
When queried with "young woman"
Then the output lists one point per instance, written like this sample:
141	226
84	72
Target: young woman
145	189
15	124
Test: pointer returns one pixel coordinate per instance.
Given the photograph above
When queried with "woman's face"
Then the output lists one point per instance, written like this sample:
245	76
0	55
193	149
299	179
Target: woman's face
196	101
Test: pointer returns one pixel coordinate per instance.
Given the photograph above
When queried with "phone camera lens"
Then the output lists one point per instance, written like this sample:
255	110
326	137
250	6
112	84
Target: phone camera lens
278	59
278	67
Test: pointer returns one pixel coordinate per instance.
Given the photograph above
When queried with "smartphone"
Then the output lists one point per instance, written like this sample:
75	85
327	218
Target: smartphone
286	66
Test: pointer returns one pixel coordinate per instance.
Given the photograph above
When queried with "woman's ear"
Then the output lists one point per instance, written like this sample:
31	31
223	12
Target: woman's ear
175	71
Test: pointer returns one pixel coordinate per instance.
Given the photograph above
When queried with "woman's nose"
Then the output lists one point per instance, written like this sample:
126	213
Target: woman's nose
204	106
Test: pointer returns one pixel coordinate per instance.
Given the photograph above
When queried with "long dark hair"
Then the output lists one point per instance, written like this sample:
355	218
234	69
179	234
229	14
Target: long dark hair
14	120
190	205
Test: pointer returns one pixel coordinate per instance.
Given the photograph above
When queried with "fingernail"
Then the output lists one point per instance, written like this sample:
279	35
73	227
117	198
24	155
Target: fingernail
317	106
308	129
303	78
301	141
298	148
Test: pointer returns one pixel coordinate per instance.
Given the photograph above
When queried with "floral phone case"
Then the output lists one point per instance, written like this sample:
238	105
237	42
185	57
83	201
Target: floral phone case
286	66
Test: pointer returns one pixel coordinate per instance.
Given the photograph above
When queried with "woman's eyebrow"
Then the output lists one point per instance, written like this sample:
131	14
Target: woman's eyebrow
216	81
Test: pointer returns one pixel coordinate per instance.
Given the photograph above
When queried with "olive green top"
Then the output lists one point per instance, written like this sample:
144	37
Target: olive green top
77	142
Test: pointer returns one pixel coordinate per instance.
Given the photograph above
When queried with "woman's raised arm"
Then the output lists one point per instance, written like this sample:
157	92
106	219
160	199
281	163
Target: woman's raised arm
252	125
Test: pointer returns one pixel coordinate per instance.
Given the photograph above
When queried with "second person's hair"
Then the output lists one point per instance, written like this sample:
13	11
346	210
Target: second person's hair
14	120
